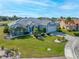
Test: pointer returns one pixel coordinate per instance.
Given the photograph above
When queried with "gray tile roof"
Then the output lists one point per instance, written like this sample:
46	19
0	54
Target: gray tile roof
26	22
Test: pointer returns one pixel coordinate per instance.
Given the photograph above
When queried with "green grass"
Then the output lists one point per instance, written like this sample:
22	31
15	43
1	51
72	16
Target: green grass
5	22
69	32
32	47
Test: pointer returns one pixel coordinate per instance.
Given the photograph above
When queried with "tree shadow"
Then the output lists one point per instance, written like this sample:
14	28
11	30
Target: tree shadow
40	38
23	37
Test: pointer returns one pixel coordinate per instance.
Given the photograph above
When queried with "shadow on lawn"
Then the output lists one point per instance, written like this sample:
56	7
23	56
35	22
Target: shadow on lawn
23	37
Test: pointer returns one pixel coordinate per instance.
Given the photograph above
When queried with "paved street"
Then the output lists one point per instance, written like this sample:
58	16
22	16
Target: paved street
47	58
38	58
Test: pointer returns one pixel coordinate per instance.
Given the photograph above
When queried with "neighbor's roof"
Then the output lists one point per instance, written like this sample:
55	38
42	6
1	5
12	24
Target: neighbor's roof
72	22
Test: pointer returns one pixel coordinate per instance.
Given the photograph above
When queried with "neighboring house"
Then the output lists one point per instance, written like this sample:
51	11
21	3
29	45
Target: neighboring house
26	26
69	25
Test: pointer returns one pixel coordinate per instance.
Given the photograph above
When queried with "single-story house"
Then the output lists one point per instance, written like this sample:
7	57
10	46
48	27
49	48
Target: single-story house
26	26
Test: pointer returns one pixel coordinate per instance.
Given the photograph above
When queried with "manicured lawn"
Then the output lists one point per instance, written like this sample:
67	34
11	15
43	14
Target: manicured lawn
70	32
32	47
67	32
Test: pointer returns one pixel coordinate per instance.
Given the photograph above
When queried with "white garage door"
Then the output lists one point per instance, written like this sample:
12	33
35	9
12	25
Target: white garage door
51	29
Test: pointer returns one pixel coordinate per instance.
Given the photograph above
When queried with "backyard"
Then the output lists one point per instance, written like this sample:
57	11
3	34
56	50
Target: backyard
29	46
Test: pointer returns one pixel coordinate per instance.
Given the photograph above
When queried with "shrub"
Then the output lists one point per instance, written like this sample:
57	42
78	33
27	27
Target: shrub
48	34
76	34
43	34
69	30
44	30
59	29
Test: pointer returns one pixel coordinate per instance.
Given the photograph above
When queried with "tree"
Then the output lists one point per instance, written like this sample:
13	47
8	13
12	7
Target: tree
14	17
61	17
53	19
36	30
6	29
43	30
4	18
68	18
40	18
